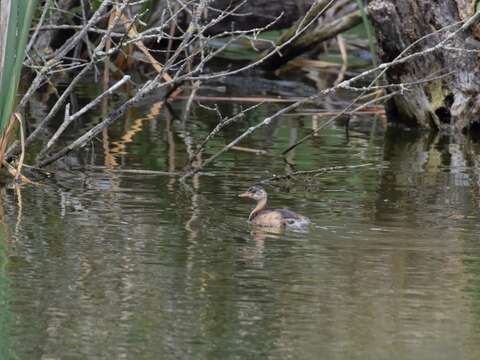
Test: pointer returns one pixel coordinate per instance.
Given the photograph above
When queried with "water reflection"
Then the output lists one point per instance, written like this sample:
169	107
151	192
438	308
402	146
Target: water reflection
7	348
112	265
428	172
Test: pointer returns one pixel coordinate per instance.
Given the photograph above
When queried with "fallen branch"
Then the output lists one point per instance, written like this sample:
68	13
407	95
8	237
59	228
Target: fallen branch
312	39
224	123
42	75
93	132
315	172
343	112
62	52
71	118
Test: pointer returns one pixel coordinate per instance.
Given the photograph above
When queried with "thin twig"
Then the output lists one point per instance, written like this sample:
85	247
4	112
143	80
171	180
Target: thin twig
315	172
53	111
223	124
71	118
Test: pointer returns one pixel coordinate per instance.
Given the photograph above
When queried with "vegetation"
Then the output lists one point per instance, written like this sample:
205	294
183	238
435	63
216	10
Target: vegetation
145	119
180	42
15	20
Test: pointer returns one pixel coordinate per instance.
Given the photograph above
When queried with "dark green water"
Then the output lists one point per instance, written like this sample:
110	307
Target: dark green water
111	265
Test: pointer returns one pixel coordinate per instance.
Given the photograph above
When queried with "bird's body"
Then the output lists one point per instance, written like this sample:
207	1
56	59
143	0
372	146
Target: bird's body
271	218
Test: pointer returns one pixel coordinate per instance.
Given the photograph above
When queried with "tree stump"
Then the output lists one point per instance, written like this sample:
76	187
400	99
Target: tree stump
452	102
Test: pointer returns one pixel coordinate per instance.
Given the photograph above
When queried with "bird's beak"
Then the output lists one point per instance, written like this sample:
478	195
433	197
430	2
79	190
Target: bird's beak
245	194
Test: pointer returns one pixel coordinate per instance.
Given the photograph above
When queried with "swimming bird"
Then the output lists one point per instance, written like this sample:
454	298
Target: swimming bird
271	218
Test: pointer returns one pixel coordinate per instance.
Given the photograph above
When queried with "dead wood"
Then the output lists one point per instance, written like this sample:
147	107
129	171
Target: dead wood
450	102
310	40
252	14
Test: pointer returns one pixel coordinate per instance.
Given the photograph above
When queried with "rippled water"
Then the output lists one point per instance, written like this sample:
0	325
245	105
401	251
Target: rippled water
114	265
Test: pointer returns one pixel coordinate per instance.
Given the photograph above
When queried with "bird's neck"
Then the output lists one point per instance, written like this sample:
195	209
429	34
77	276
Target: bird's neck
261	204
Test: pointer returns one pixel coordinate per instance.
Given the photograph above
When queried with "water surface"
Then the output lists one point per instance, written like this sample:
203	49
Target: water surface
104	264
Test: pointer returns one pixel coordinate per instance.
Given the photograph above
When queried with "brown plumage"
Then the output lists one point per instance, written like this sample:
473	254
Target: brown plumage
271	218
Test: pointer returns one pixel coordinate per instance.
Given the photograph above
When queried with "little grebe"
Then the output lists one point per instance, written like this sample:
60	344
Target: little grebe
271	218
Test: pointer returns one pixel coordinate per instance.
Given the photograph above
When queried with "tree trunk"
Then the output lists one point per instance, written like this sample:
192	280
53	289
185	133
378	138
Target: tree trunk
450	102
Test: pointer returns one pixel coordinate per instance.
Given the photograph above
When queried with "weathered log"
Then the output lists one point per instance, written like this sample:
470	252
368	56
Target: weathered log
258	13
252	14
310	40
448	103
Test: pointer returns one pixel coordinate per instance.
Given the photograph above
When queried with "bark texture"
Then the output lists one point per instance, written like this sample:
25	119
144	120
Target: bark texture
452	102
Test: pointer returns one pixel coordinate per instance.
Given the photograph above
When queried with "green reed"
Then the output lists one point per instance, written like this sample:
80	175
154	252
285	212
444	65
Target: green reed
15	18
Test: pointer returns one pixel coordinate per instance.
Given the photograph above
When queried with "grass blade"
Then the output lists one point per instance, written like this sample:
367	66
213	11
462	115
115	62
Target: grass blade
18	18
